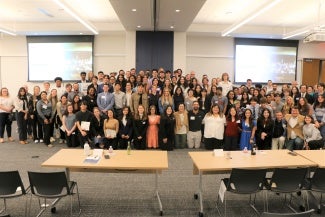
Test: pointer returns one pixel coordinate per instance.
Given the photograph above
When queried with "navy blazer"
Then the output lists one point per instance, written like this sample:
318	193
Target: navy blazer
127	129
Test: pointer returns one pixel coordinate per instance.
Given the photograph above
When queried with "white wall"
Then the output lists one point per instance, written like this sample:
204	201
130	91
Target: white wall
203	54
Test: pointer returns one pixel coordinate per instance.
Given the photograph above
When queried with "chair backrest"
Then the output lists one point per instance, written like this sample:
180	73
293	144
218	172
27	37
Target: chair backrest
246	181
10	181
318	180
48	184
301	214
287	180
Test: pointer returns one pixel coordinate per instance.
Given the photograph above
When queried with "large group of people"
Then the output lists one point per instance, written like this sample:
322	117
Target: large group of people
166	110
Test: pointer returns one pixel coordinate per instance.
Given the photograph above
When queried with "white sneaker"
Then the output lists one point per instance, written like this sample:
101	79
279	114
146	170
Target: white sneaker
36	141
52	139
50	145
41	140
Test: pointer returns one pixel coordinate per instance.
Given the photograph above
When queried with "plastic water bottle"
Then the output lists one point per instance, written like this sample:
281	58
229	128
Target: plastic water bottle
128	149
86	149
110	150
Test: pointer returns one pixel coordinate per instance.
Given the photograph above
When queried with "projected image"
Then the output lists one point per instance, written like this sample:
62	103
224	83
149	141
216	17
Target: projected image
49	60
263	63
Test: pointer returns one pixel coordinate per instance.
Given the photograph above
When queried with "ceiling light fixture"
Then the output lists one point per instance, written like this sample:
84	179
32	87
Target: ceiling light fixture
8	32
177	10
172	27
138	26
261	10
76	16
134	9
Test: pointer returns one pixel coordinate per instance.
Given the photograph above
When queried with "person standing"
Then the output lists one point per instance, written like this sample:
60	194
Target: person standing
44	111
214	125
152	131
140	125
195	118
6	107
278	134
105	100
167	129
69	123
181	127
140	97
21	106
36	123
84	118
125	128
232	130
248	128
264	130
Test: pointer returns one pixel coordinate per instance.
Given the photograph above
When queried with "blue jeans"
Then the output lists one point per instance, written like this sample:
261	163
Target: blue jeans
295	144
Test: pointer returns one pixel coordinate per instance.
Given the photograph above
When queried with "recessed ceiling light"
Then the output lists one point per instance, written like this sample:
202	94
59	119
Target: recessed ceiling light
177	10
134	9
138	26
80	33
172	27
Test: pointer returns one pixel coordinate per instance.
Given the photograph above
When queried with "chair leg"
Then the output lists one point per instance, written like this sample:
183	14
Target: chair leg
78	198
4	210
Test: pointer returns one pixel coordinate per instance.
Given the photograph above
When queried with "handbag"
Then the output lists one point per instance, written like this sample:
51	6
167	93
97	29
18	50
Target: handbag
12	116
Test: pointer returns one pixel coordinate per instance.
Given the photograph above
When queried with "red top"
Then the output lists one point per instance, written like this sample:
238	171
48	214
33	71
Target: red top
232	129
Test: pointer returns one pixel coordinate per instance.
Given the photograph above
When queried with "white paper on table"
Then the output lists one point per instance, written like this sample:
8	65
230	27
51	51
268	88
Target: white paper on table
85	125
98	152
222	191
218	152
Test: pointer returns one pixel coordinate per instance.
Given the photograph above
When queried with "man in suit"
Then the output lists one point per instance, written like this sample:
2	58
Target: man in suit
139	98
303	93
295	137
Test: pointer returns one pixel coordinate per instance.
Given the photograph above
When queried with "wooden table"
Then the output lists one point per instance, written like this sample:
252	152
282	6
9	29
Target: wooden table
137	162
206	163
317	156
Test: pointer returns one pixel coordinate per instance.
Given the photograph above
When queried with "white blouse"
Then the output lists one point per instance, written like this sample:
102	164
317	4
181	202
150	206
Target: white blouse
6	102
214	127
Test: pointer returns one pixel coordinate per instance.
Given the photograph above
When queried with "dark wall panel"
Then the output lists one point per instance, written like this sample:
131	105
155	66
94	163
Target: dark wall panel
154	50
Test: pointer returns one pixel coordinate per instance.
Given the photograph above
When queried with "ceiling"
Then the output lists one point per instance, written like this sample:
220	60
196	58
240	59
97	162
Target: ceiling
196	17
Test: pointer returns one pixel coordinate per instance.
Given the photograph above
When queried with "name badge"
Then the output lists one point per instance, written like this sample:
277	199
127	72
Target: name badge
192	118
143	122
44	106
103	97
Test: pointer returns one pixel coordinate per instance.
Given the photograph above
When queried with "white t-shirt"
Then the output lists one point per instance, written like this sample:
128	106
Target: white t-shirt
6	102
214	127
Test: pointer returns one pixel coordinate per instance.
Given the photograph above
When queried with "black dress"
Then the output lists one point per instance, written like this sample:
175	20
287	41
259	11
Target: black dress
266	127
167	130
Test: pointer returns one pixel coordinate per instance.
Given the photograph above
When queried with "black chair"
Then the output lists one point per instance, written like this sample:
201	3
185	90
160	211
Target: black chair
317	184
286	181
301	214
11	186
244	181
53	185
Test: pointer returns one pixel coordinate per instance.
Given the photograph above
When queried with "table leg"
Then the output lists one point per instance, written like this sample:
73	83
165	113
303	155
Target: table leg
157	193
67	172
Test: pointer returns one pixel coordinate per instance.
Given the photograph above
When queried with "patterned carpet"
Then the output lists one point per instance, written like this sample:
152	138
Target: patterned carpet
129	195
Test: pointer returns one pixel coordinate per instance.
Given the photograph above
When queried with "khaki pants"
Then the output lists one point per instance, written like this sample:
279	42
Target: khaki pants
278	143
194	139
